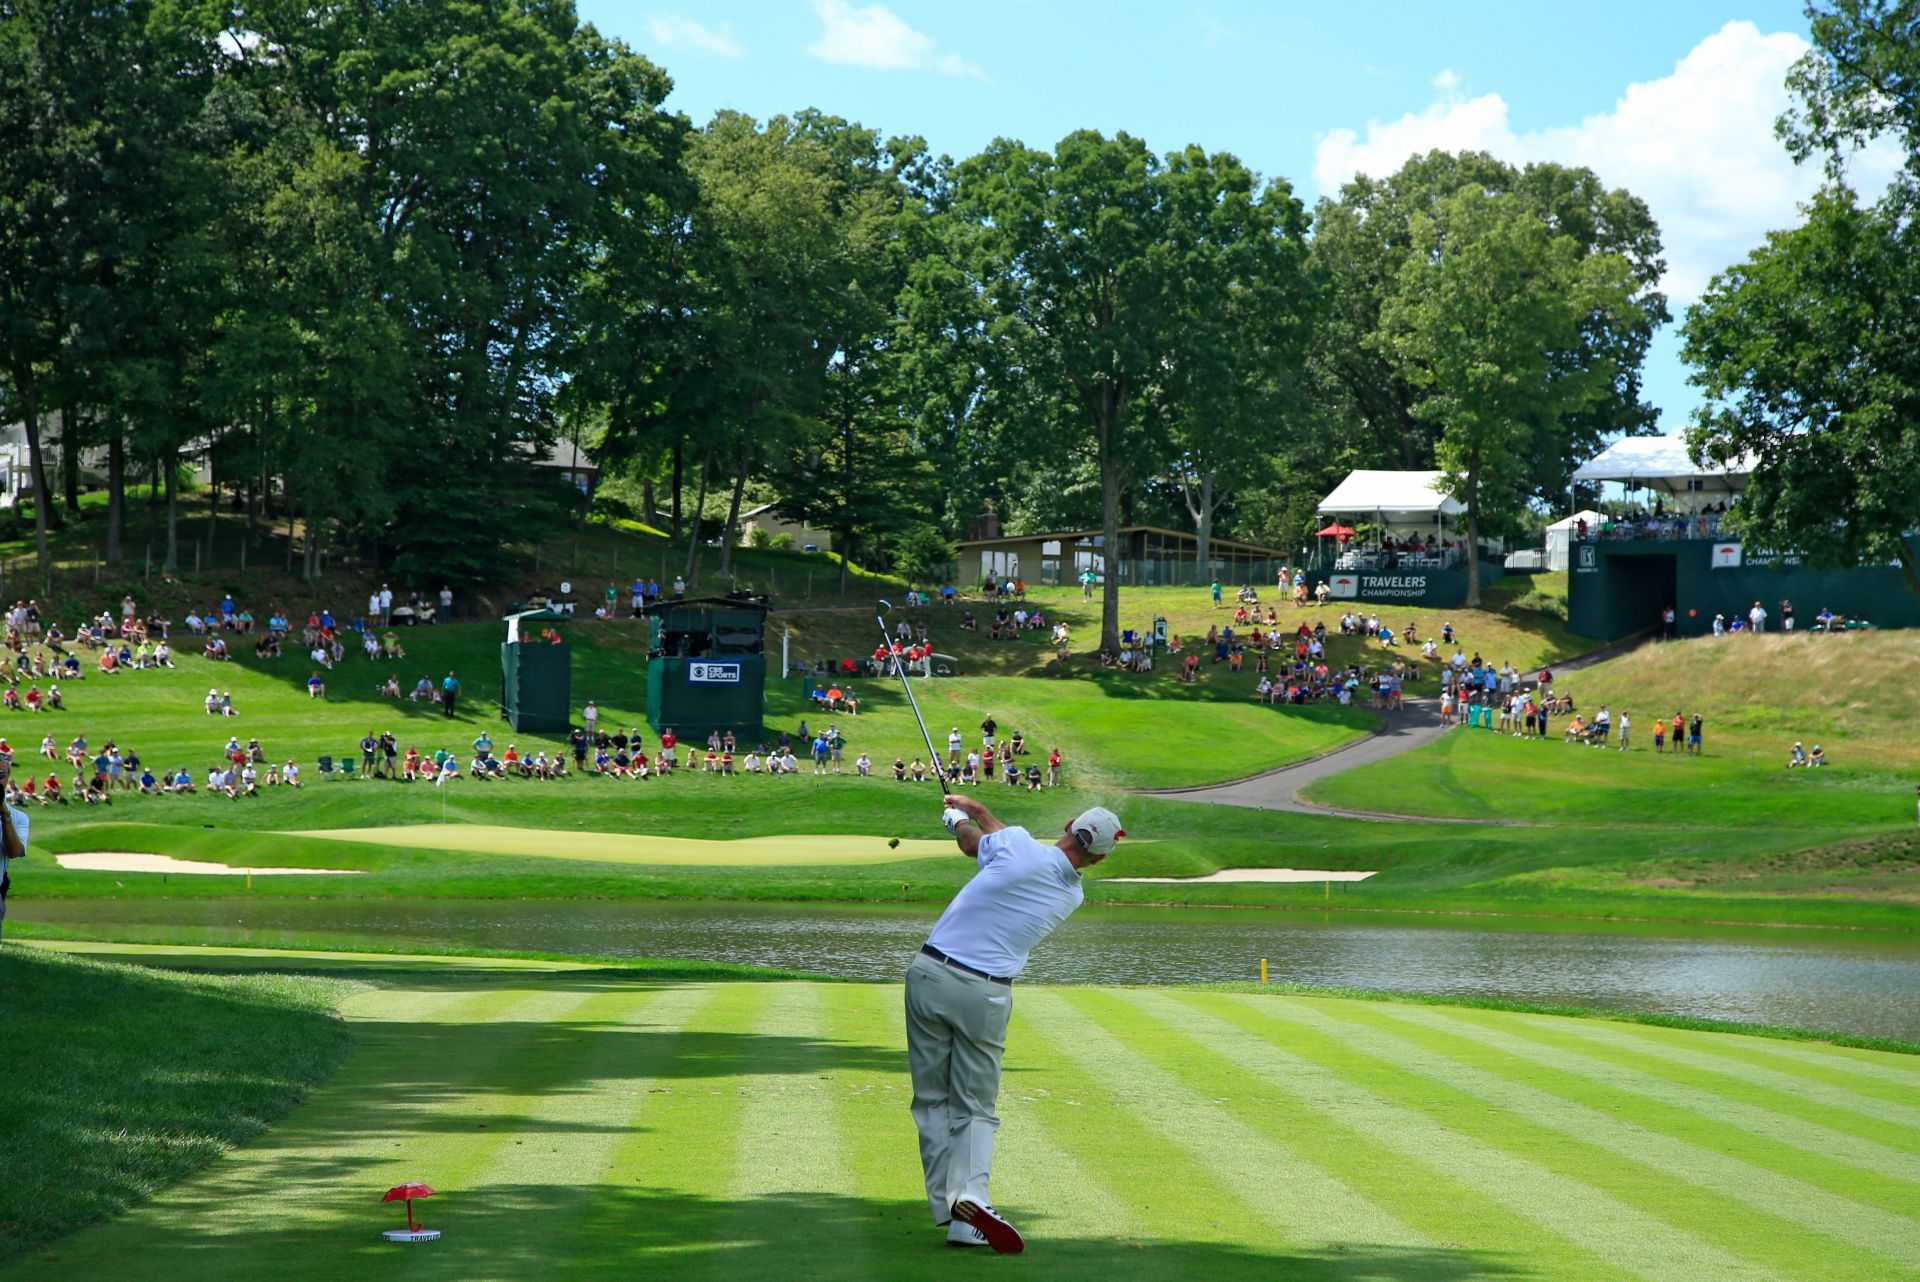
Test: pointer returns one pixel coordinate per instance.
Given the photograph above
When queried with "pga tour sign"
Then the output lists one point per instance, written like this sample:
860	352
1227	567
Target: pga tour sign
1409	587
709	673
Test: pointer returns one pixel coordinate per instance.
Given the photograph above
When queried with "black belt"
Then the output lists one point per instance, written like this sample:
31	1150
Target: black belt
939	956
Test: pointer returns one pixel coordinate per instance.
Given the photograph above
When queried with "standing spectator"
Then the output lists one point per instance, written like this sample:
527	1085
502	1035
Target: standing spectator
679	586
127	610
1786	616
446	605
590	715
449	691
1669	623
1757	617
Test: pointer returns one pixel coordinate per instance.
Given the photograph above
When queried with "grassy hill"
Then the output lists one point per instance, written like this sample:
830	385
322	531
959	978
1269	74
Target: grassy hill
1847	830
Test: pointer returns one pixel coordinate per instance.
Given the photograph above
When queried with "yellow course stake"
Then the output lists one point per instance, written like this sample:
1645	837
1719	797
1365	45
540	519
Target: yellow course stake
1263	970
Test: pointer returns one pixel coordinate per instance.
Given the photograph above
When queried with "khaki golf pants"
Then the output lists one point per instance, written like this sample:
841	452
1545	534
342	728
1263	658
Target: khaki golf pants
956	1033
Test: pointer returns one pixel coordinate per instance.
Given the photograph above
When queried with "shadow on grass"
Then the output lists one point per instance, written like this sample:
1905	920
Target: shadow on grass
525	1231
123	1080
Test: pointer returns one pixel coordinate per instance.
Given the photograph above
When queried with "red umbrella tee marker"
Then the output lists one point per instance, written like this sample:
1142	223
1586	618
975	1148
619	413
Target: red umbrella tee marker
414	1232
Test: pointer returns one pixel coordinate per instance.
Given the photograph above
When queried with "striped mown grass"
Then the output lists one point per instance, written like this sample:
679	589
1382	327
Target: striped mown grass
586	1123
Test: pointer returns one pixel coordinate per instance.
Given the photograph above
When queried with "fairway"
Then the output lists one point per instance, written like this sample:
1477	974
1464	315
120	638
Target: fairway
643	848
586	1123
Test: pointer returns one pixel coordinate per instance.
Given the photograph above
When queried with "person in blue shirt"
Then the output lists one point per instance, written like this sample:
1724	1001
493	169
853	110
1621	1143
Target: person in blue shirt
449	691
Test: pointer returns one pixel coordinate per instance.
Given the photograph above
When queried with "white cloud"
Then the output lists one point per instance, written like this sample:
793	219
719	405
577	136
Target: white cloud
677	31
1697	145
876	38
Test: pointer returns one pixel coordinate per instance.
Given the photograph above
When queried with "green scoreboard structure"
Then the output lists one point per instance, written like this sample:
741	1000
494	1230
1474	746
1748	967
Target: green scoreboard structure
536	675
707	665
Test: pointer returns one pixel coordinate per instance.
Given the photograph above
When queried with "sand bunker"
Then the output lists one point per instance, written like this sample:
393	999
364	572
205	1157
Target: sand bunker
1255	874
130	861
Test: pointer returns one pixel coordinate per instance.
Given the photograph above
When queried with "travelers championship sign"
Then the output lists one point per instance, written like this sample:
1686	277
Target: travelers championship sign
706	672
1405	587
1726	556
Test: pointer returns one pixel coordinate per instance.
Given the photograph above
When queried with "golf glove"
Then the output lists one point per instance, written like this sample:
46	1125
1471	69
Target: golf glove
953	817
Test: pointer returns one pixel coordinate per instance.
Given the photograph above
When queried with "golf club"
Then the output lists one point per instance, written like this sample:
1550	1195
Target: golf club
907	685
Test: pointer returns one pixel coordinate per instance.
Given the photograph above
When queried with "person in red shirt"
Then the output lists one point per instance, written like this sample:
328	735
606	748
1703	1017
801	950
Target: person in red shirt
669	756
1053	768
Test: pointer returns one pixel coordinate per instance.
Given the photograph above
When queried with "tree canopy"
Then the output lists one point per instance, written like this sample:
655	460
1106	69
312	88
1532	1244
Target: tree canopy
369	262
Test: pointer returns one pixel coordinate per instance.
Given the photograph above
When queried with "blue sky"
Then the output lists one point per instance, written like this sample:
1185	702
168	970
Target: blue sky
1673	101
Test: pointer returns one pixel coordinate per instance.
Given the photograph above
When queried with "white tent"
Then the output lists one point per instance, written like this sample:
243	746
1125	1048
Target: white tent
1662	463
1560	536
1403	498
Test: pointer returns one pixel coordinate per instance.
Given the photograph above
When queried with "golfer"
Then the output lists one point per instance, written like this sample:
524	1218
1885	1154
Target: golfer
960	996
13	836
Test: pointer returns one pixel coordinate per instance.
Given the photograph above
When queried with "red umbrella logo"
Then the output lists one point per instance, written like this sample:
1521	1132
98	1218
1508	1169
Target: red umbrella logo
415	1231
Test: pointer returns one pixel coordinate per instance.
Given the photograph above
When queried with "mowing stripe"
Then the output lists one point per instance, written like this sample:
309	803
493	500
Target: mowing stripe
1709	1131
654	1205
1791	1085
1320	1207
1430	1198
1531	1041
613	1210
870	1124
1847	1230
1221	1192
1847	1063
786	1146
1631	1239
541	1175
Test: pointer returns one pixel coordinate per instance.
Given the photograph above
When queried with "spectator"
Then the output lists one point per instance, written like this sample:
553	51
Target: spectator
449	692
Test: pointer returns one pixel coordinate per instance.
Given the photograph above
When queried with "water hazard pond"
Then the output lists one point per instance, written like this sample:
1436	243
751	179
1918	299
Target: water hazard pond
1867	984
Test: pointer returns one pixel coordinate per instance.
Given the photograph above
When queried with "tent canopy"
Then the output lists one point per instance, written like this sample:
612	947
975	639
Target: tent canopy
1334	530
1393	496
1572	522
1662	463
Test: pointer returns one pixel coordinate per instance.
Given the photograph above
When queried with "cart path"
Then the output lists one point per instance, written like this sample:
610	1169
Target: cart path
1401	730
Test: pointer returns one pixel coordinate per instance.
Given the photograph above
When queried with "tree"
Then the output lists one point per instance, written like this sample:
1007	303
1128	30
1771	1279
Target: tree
1860	81
1809	351
1097	266
1363	238
1485	309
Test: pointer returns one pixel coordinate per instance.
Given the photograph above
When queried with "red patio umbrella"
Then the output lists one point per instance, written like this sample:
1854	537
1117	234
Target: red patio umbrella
1334	531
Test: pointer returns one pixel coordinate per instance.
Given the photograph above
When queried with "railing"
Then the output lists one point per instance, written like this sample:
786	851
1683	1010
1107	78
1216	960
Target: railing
1671	527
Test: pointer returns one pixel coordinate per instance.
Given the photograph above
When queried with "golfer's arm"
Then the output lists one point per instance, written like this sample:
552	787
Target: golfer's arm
10	844
978	823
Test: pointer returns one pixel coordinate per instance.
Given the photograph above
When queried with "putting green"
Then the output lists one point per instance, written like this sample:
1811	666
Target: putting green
584	1123
643	848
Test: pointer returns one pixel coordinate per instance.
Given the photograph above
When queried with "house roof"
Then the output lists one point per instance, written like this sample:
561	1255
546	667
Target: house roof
567	455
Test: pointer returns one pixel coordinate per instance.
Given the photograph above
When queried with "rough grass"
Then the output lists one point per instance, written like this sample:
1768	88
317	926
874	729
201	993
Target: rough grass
585	1124
121	1080
1857	693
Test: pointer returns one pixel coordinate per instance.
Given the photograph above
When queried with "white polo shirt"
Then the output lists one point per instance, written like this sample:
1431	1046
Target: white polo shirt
1023	890
21	823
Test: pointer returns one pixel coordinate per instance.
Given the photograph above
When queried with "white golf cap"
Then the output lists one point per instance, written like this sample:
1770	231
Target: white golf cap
1097	830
